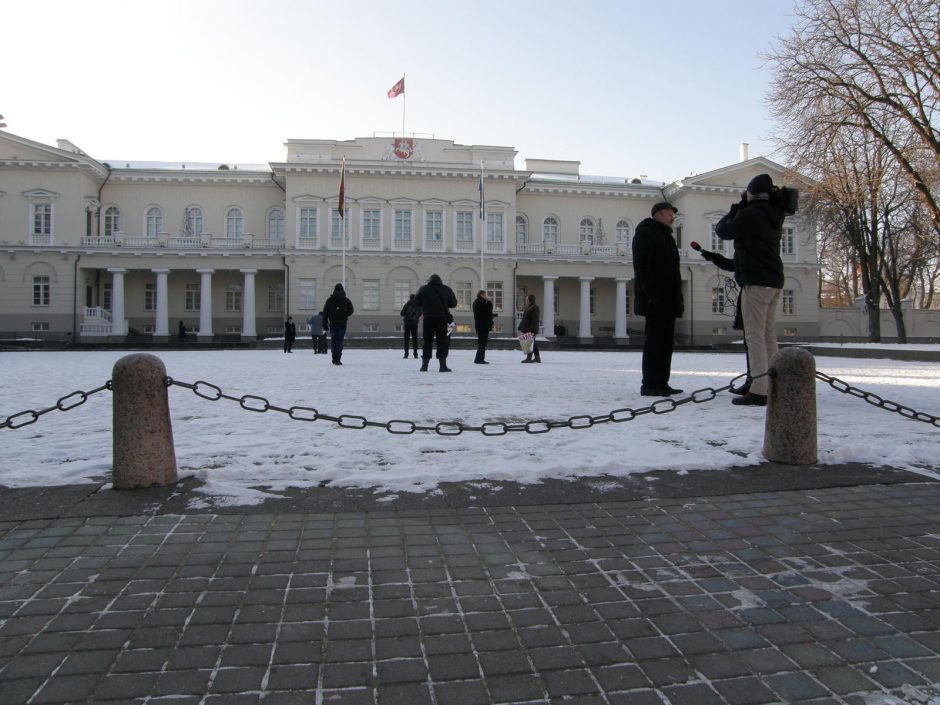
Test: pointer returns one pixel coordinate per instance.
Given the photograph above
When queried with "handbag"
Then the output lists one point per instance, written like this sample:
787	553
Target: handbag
526	340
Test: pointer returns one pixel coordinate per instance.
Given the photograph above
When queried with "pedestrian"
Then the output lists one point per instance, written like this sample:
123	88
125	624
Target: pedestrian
317	333
336	312
530	324
290	333
435	299
755	224
409	318
181	332
658	296
483	323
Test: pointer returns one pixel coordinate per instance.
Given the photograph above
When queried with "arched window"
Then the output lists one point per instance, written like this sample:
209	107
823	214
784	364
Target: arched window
522	230
276	224
550	229
234	224
623	232
112	221
192	223
586	231
154	221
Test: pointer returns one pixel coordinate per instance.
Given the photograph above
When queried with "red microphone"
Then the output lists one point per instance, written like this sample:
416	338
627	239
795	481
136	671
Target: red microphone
695	246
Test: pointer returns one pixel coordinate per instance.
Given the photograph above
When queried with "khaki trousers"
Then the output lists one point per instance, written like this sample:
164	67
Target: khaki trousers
760	319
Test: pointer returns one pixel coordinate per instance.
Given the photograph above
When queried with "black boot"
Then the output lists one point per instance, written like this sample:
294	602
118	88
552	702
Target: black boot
444	367
528	357
424	365
538	357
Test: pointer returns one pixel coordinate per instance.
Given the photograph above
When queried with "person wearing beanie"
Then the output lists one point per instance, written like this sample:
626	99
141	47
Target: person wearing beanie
658	296
434	300
336	312
755	224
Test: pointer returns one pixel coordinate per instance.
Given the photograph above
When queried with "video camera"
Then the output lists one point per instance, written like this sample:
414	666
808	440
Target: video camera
786	198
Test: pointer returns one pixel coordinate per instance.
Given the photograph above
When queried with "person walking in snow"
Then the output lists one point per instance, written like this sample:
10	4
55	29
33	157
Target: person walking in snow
336	312
290	334
409	319
530	324
435	299
483	322
317	333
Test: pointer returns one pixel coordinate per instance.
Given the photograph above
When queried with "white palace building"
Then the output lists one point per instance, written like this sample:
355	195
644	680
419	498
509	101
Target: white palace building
99	252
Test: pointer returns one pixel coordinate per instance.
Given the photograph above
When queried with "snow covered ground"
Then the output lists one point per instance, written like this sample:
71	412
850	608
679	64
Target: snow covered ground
243	455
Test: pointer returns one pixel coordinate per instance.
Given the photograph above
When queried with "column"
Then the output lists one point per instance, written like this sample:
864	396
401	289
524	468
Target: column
117	302
161	324
548	306
249	329
584	324
205	304
620	311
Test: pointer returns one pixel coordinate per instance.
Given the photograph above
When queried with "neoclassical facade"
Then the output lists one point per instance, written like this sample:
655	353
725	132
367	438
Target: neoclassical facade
92	251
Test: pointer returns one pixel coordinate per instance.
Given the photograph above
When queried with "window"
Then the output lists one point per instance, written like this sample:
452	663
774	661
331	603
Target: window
42	290
106	295
153	221
550	230
192	222
42	219
788	302
276	298
717	244
586	231
591	300
464	232
494	230
720	330
192	296
623	232
233	330
371	227
495	291
276	225
150	297
522	230
307	223
112	221
626	296
370	327
434	226
308	294
403	228
402	293
39	327
370	294
234	224
790	332
718	300
521	295
787	242
464	292
338	226
233	298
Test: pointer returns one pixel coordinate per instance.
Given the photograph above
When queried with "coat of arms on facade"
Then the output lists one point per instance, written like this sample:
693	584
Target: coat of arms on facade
404	148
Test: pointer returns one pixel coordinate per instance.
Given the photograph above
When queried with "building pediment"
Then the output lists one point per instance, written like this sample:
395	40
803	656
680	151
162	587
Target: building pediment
39	194
19	151
734	177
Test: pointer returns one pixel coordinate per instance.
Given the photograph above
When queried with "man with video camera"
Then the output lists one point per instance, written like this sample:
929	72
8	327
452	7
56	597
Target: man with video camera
755	224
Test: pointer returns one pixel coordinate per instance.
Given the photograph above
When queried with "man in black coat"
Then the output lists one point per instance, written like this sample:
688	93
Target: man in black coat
657	296
756	226
409	320
483	323
336	312
435	299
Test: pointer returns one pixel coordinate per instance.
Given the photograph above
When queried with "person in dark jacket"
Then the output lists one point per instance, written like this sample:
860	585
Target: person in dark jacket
483	323
181	332
530	324
409	317
658	296
336	311
317	333
756	226
435	299
290	334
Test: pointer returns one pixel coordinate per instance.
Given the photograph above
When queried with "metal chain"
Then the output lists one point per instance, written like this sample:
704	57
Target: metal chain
66	403
876	400
251	402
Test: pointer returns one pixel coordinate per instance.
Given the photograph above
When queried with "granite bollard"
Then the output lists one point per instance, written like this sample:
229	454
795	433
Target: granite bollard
143	436
790	434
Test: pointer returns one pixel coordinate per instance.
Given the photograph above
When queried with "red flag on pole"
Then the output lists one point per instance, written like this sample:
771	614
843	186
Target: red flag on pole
342	191
397	89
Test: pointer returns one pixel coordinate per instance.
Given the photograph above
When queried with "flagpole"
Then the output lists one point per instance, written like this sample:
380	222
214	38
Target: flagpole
482	230
404	97
342	217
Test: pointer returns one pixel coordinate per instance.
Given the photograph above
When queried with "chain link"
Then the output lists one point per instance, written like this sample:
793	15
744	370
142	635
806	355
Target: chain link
875	400
66	403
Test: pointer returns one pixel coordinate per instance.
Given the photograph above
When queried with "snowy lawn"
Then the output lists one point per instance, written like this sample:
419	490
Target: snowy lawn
242	455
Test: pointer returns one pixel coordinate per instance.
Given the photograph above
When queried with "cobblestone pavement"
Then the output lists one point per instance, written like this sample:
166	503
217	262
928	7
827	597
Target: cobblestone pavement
803	596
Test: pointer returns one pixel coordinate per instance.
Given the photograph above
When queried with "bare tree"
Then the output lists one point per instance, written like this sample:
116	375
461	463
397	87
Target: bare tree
873	65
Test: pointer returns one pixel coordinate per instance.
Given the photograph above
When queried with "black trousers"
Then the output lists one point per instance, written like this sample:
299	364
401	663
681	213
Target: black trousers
657	350
411	331
482	337
435	328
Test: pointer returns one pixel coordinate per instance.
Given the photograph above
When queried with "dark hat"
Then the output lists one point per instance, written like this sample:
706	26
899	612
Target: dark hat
661	206
762	183
338	289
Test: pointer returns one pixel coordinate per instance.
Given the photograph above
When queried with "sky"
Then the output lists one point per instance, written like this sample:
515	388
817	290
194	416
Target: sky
627	87
245	457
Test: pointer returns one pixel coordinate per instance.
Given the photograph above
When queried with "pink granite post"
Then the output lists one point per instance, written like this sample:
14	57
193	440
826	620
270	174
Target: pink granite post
790	426
143	436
